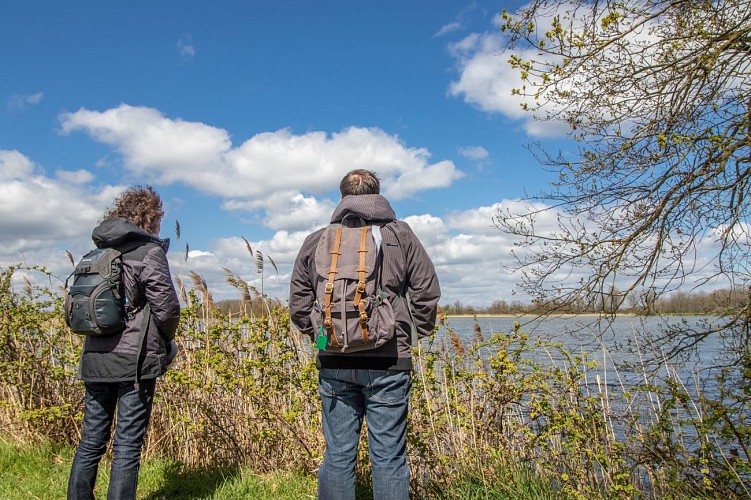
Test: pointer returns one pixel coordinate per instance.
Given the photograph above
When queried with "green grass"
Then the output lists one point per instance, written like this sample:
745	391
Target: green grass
39	472
42	472
512	484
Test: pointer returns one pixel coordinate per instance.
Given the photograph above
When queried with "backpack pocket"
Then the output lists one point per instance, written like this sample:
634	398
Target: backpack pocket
382	324
349	334
96	311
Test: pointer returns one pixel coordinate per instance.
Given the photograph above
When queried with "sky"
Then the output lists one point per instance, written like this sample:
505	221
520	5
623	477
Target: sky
244	116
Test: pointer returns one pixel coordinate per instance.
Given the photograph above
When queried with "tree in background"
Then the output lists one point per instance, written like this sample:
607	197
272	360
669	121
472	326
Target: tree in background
657	96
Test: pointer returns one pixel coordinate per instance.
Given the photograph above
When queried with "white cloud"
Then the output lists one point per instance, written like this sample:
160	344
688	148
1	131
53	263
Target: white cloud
315	162
41	217
295	212
468	260
468	265
258	174
468	251
14	165
447	28
24	101
39	209
186	47
38	214
35	98
475	153
475	221
486	80
77	177
194	254
232	254
288	210
428	228
438	175
460	21
156	147
481	220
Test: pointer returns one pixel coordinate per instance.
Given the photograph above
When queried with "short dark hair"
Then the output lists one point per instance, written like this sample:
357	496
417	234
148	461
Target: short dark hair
140	205
360	181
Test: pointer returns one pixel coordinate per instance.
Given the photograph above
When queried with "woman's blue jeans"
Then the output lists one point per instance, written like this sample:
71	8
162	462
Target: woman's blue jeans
382	398
133	407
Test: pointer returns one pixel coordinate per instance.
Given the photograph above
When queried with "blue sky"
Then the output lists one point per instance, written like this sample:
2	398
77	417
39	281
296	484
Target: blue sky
245	116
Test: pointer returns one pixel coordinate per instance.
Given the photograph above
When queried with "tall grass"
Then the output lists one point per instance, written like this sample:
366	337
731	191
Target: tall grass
486	416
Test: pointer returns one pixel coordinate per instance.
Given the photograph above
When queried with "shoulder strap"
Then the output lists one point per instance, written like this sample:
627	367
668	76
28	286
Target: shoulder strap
361	270
329	291
142	342
129	247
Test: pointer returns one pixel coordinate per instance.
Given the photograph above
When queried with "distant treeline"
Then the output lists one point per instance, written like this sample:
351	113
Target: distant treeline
715	302
237	307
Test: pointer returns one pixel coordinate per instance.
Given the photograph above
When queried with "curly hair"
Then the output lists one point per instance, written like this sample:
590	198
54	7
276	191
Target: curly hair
140	205
360	181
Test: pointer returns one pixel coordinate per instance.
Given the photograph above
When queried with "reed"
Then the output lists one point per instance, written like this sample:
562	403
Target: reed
243	393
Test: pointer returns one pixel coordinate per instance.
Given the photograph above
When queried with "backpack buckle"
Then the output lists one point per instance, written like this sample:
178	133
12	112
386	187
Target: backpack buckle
363	318
329	287
361	286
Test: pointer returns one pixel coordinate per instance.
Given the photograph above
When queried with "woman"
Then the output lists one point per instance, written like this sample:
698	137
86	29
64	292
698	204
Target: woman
120	370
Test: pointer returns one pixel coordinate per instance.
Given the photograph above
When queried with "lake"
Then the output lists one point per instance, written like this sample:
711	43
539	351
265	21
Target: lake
619	352
616	346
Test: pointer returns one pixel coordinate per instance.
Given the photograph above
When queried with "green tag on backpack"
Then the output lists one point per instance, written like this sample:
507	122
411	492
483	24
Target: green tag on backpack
322	339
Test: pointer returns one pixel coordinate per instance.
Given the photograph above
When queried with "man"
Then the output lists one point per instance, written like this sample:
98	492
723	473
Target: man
374	384
120	370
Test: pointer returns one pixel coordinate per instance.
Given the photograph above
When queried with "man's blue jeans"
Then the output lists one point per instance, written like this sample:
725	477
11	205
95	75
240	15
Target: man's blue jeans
382	397
133	412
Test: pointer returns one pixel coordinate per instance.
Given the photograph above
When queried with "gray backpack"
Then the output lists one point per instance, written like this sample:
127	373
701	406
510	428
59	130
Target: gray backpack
351	312
95	300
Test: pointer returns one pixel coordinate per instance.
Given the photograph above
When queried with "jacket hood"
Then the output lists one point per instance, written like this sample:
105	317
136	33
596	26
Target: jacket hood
116	231
371	207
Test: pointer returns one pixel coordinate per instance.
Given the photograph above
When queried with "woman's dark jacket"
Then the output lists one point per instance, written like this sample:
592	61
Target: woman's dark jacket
146	278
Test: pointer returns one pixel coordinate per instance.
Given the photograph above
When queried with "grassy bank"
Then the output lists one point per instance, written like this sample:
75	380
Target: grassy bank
41	471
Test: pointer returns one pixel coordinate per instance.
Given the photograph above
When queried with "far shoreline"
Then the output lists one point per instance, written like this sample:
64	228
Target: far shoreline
528	315
577	315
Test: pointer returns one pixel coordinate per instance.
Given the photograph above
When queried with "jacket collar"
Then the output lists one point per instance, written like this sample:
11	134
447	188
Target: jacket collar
371	207
117	231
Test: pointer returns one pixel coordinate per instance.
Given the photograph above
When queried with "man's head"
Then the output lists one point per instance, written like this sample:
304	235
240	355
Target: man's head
360	182
140	205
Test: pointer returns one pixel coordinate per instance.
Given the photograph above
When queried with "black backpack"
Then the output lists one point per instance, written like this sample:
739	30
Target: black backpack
95	301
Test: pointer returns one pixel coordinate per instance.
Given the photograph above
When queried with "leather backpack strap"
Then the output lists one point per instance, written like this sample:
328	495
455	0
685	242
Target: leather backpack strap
361	275
329	291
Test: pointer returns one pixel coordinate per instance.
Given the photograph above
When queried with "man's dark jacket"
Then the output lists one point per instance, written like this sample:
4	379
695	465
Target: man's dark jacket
146	278
407	269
